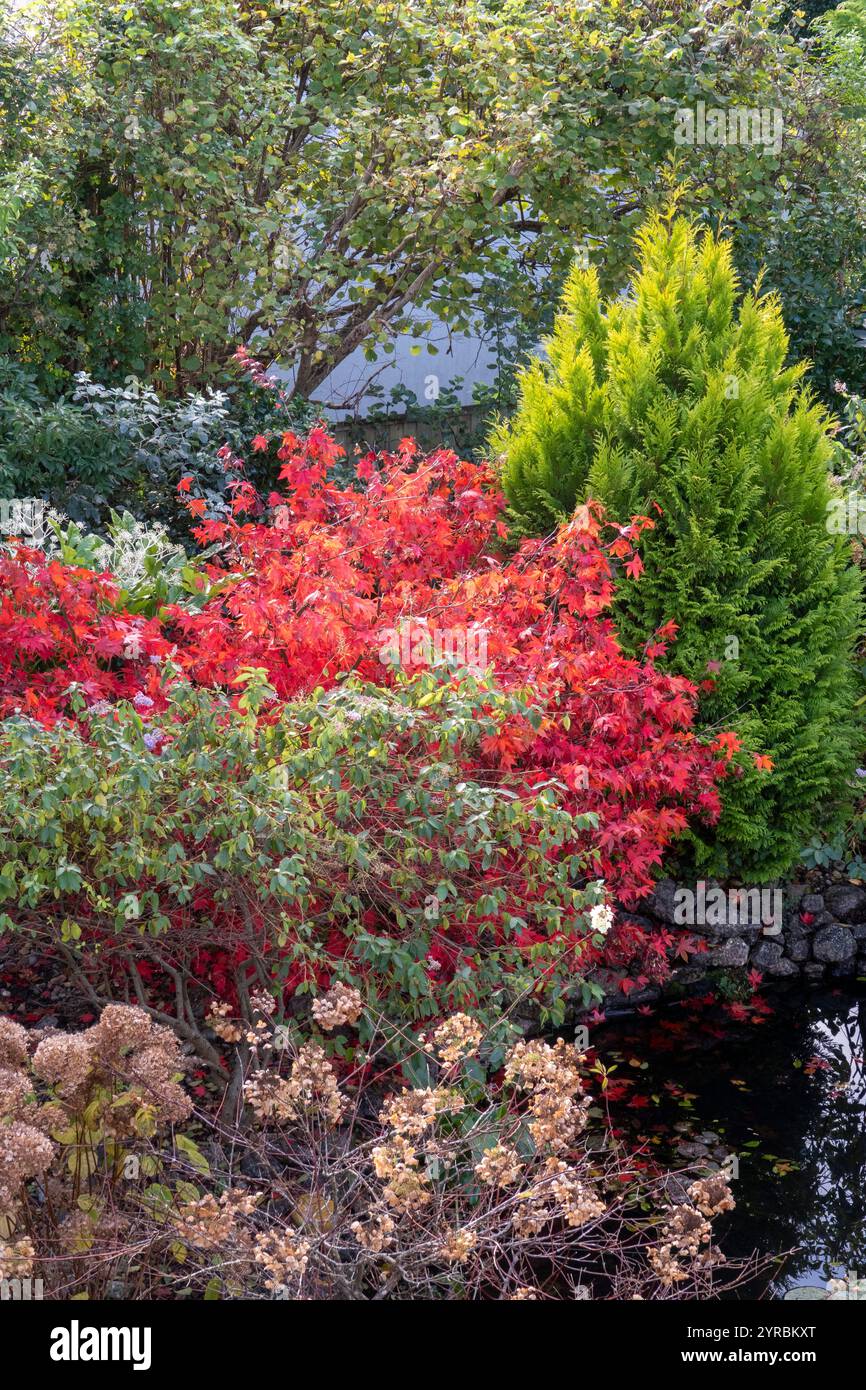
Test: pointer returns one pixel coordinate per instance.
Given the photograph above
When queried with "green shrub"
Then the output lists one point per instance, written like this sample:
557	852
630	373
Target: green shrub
99	449
149	569
342	835
281	223
672	398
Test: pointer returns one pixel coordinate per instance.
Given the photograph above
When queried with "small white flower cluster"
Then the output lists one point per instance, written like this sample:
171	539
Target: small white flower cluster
601	918
131	543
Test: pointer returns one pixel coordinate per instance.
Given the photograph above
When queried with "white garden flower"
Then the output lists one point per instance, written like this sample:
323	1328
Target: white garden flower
601	918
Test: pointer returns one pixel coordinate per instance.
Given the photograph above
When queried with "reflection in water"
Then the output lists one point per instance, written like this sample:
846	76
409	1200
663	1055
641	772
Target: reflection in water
785	1093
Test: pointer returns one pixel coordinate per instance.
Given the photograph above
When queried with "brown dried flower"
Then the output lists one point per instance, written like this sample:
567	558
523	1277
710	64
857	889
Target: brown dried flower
310	1089
413	1112
219	1018
376	1233
458	1245
14	1048
16	1258
458	1037
24	1153
396	1165
342	1004
211	1224
284	1256
499	1166
712	1196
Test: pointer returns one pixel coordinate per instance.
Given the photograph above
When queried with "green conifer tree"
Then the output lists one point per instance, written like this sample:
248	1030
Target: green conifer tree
678	395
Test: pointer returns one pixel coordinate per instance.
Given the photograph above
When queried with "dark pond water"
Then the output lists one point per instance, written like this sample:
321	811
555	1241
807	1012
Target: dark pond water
782	1086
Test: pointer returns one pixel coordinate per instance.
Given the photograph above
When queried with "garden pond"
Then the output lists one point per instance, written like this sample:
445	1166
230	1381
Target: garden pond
774	1090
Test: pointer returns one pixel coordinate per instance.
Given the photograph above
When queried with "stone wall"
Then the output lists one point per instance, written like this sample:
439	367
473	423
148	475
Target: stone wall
821	935
461	430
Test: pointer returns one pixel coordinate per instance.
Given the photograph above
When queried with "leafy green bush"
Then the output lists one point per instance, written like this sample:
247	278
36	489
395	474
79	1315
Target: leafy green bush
312	178
808	232
123	447
149	569
674	402
55	451
342	836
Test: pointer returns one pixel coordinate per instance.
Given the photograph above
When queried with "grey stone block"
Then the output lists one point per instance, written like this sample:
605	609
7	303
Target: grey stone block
784	969
847	902
833	944
812	902
766	954
797	948
734	953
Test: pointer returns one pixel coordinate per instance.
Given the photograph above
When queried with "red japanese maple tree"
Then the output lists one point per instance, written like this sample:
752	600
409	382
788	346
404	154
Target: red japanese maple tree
315	577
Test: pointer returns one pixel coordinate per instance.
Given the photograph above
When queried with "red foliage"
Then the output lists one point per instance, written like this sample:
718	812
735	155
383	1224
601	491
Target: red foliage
58	631
317	581
324	576
315	586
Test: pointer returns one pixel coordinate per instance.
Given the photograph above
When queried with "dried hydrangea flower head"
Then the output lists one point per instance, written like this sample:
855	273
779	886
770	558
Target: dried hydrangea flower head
263	1003
712	1196
16	1093
536	1063
499	1166
558	1194
395	1163
576	1201
457	1038
65	1061
556	1119
16	1258
686	1233
458	1245
687	1229
342	1004
310	1090
17	1099
125	1047
25	1153
219	1018
376	1233
283	1256
123	1028
412	1113
14	1049
551	1075
211	1224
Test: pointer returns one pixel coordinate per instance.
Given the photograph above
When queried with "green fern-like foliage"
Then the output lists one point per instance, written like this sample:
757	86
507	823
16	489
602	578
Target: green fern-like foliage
675	401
